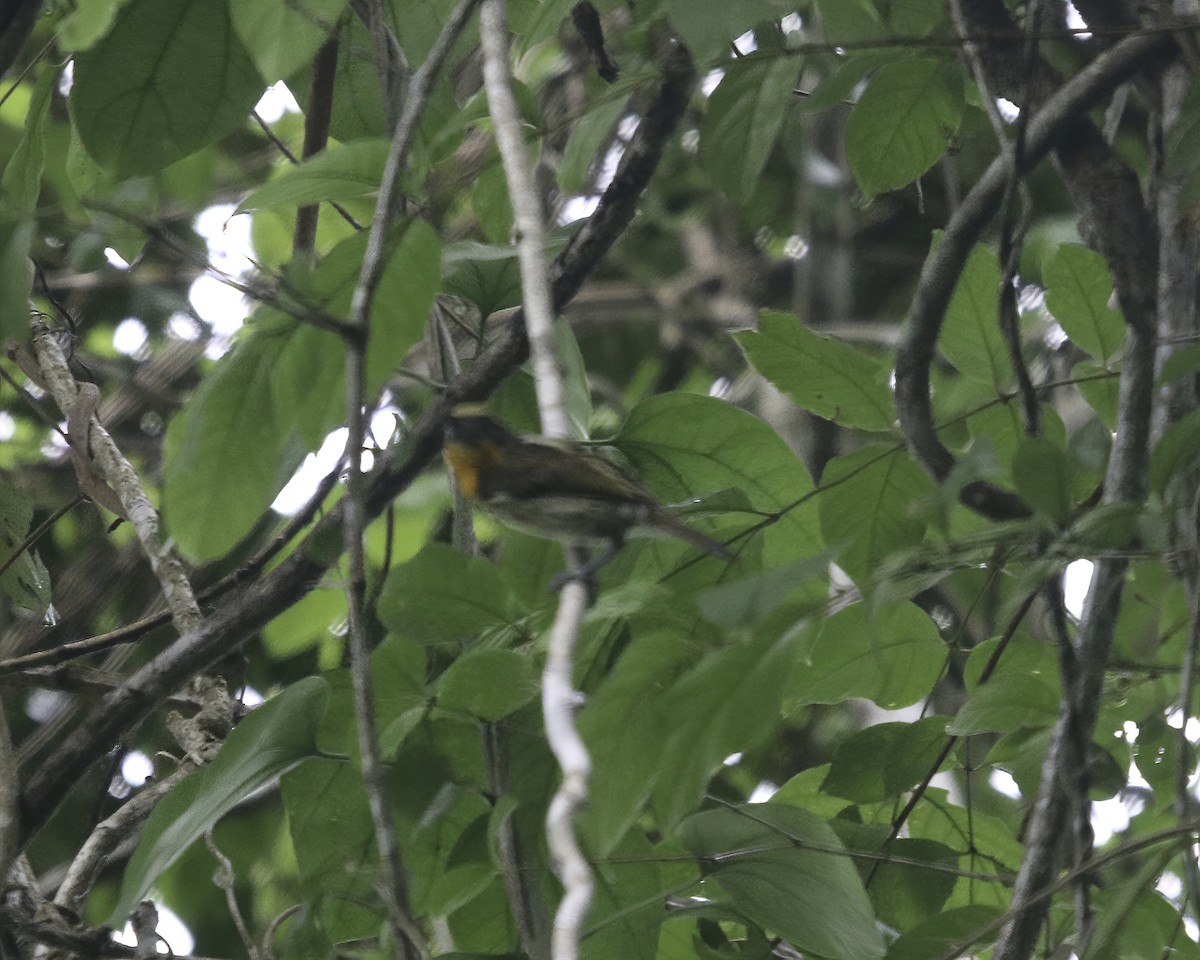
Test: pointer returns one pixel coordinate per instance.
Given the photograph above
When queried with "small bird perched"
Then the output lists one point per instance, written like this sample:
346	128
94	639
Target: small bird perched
555	489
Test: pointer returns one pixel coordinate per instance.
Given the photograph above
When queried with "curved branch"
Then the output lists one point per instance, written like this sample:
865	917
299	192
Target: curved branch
945	264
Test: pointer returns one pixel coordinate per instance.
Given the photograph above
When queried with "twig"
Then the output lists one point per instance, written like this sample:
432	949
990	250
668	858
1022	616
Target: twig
273	926
226	880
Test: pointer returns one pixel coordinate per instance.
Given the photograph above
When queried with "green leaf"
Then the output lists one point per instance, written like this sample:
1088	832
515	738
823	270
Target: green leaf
1005	703
487	275
453	832
1100	389
488	684
683	444
787	871
82	26
708	27
820	373
942	933
271	740
971	337
400	310
339	172
743	119
226	456
307	383
282	37
729	702
328	818
866	507
16	277
19	190
1107	526
846	73
751	600
912	17
906	893
1180	361
1043	474
623	724
626	912
1176	451
358	112
169	78
589	137
22	181
26	582
893	659
903	122
849	20
398	674
443	595
883	761
1078	288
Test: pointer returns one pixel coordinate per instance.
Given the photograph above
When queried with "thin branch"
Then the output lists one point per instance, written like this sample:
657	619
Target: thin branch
226	879
521	886
1010	244
316	135
97	446
40	531
107	836
1071	776
944	266
527	220
257	603
393	884
559	698
920	789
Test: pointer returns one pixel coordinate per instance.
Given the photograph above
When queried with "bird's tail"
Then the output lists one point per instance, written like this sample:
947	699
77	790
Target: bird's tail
675	527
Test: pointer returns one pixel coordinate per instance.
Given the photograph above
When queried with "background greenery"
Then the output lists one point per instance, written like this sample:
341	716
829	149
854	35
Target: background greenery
737	344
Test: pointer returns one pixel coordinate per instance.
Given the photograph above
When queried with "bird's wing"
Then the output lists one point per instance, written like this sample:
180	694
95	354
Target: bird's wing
537	469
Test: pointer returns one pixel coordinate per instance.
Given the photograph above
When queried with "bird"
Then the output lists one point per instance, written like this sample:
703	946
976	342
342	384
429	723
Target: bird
556	489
